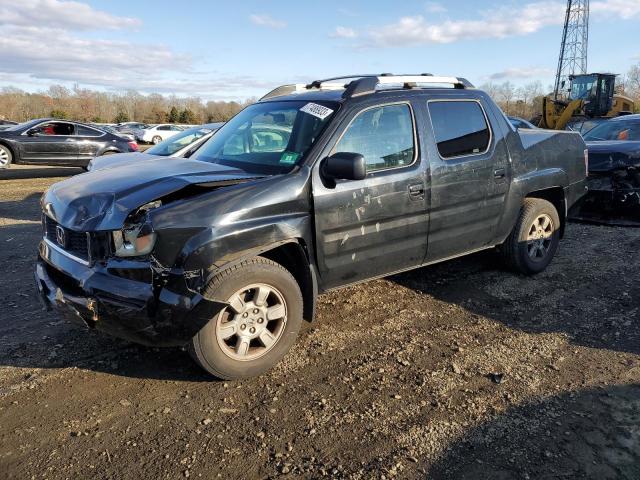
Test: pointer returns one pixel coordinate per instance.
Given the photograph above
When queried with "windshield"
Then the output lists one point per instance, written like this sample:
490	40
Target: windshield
614	131
178	141
268	138
584	87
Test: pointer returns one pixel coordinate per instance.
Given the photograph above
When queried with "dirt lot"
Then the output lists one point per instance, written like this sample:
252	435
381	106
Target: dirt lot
460	370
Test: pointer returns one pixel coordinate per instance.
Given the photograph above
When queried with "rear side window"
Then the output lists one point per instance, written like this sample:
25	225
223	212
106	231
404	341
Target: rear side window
383	135
83	131
460	128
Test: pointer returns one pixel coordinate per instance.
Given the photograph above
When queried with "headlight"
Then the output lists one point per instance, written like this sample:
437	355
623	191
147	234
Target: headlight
138	238
133	242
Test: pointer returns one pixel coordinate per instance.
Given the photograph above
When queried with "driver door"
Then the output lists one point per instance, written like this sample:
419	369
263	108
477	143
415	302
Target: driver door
51	143
379	225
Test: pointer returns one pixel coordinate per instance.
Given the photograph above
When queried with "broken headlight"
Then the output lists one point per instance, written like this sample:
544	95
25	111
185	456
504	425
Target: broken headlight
137	237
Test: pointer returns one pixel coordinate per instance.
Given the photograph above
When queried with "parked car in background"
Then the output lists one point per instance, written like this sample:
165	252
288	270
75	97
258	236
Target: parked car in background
312	188
58	142
4	124
157	133
108	128
614	173
129	127
521	123
183	144
586	125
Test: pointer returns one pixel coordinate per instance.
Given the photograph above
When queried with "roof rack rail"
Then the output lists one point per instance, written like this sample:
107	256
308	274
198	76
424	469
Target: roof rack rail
368	83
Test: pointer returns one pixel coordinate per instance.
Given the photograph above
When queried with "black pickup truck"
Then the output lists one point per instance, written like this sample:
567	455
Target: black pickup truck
312	188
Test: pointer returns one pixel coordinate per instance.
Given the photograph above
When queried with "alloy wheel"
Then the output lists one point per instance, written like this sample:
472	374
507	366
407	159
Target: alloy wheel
4	157
253	322
539	237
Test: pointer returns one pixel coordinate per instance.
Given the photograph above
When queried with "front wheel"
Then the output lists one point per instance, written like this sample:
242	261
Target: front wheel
534	240
6	157
259	325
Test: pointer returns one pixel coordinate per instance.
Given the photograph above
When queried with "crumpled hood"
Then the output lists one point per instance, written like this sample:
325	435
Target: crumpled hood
611	155
102	199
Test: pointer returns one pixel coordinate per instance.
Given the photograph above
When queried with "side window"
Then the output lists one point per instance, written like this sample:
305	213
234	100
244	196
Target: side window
55	128
164	127
460	128
83	131
383	135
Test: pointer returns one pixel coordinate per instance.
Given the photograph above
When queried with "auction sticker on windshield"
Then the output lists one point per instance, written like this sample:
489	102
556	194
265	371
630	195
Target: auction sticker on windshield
317	110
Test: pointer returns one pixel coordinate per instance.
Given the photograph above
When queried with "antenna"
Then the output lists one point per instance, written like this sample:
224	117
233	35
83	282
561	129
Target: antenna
575	40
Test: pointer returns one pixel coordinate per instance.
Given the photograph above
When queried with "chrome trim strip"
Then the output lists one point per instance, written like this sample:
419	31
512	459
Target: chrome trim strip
58	249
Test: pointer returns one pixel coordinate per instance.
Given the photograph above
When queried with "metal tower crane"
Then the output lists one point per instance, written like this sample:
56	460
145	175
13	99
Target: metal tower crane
575	42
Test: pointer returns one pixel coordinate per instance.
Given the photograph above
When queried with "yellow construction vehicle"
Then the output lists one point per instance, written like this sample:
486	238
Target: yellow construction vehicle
591	96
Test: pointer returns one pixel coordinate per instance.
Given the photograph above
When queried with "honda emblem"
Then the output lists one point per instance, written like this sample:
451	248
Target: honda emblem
61	236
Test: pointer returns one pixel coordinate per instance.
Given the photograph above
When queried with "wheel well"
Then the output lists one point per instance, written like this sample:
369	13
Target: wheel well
293	257
555	196
108	150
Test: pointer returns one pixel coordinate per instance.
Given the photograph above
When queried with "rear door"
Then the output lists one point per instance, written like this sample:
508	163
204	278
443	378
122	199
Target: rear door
468	176
378	225
89	140
51	143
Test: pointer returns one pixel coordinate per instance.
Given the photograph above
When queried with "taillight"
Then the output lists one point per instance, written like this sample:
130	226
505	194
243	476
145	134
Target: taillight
586	162
134	146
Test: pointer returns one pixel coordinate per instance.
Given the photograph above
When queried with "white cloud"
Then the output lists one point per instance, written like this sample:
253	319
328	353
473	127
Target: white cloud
626	9
435	7
521	73
60	14
343	32
44	42
411	31
493	23
266	21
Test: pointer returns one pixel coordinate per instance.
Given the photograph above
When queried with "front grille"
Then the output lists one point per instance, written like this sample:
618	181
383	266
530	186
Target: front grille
76	243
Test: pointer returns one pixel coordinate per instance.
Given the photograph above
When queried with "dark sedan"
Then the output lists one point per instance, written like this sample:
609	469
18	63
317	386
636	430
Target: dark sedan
58	142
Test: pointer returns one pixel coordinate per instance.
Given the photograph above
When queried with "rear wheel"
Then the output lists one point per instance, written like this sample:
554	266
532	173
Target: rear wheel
535	238
6	157
259	325
156	140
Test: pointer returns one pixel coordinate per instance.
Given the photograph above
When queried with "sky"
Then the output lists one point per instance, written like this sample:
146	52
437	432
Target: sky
221	50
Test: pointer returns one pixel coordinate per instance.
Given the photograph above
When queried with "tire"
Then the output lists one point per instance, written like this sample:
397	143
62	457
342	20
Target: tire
156	140
532	244
231	345
6	156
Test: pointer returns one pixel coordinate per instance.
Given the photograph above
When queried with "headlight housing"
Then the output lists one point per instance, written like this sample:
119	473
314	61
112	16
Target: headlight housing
136	238
133	242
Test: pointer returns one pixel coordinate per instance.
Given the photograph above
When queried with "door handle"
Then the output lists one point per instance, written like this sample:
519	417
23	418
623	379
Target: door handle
499	173
416	191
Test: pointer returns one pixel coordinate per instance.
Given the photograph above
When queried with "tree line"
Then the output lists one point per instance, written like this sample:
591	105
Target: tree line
86	105
104	107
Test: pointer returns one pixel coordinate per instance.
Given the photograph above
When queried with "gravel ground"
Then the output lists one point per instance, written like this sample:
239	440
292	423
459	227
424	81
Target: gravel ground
460	370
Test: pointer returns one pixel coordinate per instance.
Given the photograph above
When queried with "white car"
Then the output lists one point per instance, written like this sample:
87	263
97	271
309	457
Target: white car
157	133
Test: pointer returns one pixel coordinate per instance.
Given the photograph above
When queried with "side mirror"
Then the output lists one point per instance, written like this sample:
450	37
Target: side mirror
32	133
344	166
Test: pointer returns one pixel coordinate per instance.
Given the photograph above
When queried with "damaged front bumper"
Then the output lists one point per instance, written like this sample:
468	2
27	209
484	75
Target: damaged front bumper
613	198
147	307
